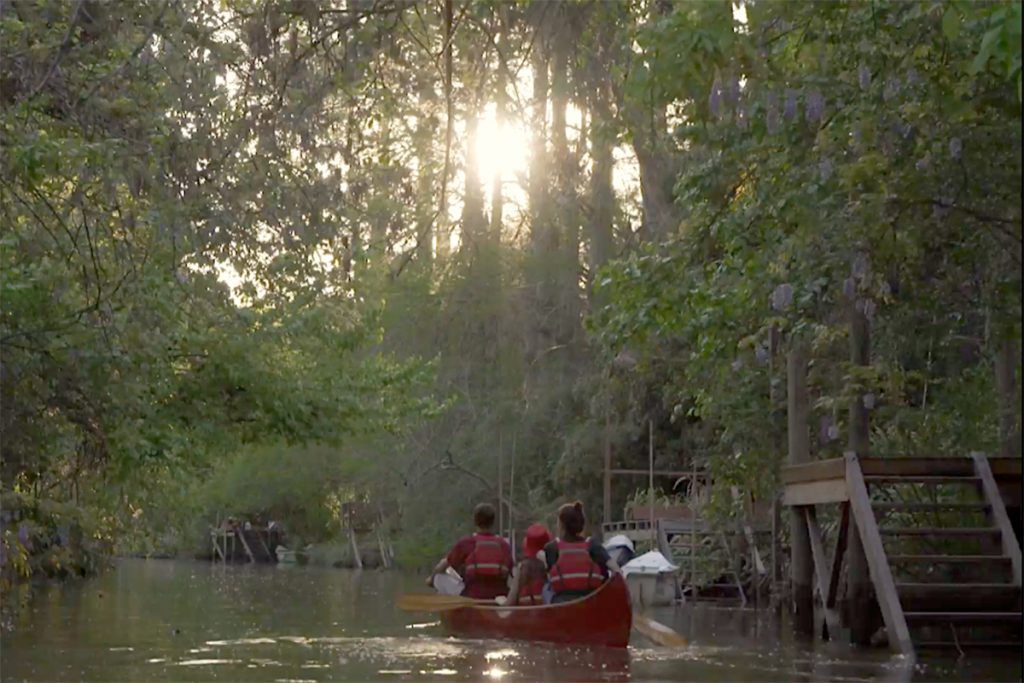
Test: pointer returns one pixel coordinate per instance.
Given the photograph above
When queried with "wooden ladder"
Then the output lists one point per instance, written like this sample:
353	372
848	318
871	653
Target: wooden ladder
978	585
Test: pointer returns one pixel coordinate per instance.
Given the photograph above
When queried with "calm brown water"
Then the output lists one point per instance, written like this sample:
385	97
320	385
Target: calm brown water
184	621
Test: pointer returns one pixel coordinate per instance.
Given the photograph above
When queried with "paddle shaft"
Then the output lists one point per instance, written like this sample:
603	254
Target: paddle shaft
425	602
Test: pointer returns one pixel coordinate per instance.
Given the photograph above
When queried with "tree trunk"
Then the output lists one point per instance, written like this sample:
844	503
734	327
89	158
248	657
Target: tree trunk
1007	358
801	567
602	195
473	221
860	597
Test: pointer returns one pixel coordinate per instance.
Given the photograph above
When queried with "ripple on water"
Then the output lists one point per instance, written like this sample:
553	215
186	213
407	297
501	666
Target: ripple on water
206	662
242	641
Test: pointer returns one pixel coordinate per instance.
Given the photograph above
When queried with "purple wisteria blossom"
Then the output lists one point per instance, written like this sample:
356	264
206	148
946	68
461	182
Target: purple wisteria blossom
825	429
861	266
849	287
782	297
790	106
815	106
715	98
867	307
732	92
891	89
824	170
864	77
772	114
761	354
956	148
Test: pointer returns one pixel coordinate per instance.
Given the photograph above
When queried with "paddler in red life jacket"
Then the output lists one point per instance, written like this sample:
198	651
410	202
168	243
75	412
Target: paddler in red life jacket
530	573
483	560
576	565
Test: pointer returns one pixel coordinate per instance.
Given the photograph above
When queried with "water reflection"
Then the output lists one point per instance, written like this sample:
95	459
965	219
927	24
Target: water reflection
172	621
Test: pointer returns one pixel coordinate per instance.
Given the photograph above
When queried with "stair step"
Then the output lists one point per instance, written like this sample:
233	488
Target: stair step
969	644
920	479
887	506
962	617
959	597
950	559
939	531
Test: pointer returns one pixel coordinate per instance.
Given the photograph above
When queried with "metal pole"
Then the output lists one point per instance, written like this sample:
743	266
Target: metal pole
501	496
511	496
607	467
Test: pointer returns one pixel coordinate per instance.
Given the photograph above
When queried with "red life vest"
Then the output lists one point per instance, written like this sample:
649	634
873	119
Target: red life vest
488	559
575	570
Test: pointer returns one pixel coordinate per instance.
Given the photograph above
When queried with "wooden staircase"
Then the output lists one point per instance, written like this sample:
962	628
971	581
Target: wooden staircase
942	553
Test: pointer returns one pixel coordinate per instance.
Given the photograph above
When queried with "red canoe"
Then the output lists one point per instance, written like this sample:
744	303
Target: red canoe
602	618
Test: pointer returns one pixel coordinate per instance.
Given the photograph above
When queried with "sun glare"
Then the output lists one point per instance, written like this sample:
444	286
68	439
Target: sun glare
502	149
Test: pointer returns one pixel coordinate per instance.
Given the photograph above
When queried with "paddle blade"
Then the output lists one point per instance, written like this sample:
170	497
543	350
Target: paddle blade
427	602
658	632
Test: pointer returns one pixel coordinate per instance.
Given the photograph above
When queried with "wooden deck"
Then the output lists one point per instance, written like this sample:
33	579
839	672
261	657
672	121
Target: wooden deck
824	481
950	514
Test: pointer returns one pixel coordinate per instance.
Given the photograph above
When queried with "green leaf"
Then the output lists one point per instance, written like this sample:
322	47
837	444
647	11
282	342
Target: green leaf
950	24
985	52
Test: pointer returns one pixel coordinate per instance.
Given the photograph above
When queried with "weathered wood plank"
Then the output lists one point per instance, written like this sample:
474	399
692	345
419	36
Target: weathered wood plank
820	564
837	555
959	597
813	471
949	559
357	558
659	473
937	466
1009	541
815	492
917	479
878	564
245	544
922	506
963	617
981	532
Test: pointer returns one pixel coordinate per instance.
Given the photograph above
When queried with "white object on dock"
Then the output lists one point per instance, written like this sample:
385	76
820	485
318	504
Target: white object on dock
651	579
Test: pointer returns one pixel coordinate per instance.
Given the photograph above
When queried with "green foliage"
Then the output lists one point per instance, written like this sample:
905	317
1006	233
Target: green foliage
248	264
878	170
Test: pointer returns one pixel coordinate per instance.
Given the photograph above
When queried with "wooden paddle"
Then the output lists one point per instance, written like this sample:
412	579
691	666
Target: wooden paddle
430	602
658	632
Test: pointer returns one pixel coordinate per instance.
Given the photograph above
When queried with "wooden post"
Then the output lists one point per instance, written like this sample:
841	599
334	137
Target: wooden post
1006	384
822	573
801	569
870	542
1008	539
353	543
607	467
776	557
650	480
860	600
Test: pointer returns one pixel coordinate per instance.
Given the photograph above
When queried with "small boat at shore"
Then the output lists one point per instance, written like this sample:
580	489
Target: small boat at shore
602	618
